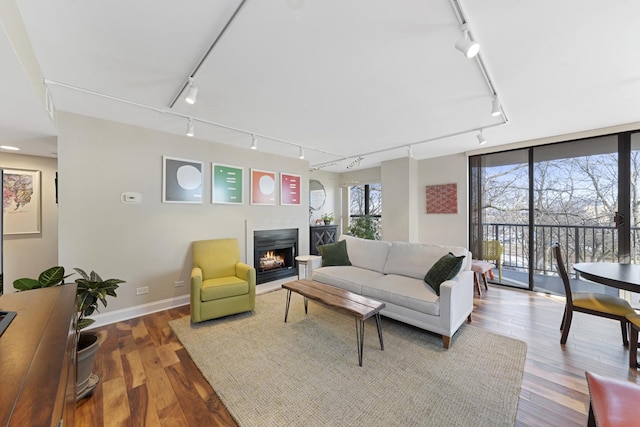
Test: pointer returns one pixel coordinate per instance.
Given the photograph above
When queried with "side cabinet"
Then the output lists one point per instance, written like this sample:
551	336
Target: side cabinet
38	358
321	235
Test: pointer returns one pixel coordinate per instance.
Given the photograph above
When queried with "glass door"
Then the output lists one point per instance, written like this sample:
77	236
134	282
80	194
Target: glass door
500	214
575	201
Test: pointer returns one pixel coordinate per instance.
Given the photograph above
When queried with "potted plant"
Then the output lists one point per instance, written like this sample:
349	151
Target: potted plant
365	227
327	218
91	290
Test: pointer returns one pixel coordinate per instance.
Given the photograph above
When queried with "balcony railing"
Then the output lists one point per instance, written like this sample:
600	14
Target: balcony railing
579	243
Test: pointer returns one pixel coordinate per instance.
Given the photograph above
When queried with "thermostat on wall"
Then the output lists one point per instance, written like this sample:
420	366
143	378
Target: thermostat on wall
131	197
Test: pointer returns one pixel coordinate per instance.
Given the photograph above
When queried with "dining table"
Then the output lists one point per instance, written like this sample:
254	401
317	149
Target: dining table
621	276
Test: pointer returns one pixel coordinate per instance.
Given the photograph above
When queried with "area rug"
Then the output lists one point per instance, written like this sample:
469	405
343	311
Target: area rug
305	372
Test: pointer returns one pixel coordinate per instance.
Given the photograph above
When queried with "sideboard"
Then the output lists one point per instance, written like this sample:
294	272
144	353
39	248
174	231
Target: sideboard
38	358
321	235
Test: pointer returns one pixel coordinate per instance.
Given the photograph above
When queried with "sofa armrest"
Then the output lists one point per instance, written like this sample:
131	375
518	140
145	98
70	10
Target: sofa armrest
456	300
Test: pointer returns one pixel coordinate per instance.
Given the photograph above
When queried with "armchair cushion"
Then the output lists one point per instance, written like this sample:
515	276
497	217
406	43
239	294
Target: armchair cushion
223	287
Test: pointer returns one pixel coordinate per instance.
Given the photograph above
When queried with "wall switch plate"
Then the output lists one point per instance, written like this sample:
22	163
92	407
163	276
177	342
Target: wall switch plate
178	284
131	197
143	290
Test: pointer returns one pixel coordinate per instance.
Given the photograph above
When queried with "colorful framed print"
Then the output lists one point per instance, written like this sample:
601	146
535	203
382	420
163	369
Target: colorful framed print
181	180
21	201
289	189
227	184
263	187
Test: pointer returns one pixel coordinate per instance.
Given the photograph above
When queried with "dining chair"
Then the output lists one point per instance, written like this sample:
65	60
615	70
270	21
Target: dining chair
612	402
602	305
634	327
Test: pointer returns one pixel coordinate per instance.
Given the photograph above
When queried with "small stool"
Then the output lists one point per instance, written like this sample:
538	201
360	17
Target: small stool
305	260
480	268
612	402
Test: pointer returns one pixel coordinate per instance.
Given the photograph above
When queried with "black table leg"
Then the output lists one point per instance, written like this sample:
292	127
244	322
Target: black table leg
286	310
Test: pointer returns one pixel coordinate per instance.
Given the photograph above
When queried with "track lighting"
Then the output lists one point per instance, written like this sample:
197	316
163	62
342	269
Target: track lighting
467	46
495	107
193	92
481	138
301	155
190	127
254	142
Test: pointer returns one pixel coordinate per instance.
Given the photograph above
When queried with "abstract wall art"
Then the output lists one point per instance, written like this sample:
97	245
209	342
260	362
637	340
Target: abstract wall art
442	199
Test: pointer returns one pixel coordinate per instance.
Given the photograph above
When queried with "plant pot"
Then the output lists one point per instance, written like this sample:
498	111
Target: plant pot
327	222
86	380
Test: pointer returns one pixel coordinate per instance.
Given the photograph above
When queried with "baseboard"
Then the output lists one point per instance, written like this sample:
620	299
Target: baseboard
102	319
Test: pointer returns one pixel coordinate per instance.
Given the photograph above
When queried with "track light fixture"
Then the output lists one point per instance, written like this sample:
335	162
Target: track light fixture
467	46
190	127
481	138
254	142
496	110
193	92
301	155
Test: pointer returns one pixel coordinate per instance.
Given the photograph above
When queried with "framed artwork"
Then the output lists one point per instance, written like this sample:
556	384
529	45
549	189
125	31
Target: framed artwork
263	187
226	184
21	201
181	180
442	199
289	189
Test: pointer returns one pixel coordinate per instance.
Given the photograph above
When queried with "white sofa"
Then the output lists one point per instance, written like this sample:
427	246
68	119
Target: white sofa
393	273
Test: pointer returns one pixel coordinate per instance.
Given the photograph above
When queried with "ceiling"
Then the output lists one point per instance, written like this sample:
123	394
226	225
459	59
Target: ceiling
343	79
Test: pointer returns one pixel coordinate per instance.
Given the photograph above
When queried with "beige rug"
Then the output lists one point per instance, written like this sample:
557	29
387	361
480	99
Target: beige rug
305	372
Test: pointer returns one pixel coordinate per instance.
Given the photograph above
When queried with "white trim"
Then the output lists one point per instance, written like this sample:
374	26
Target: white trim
104	319
137	311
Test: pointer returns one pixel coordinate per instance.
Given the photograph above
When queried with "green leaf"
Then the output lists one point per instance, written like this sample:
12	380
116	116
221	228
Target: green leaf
83	323
52	276
25	284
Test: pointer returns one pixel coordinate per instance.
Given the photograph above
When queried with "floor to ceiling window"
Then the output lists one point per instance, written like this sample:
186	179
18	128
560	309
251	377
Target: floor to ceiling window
582	194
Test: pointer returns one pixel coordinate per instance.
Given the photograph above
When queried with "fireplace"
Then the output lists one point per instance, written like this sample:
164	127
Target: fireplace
274	254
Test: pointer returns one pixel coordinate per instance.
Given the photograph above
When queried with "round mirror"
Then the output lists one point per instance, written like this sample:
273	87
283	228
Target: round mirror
317	195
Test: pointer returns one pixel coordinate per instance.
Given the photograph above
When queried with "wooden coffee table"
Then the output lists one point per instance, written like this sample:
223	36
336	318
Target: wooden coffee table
359	307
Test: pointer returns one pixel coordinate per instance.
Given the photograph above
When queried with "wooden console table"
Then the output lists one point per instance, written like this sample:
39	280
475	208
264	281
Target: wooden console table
38	358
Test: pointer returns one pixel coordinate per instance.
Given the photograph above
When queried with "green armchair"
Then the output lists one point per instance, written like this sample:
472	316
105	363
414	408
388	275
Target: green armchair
220	284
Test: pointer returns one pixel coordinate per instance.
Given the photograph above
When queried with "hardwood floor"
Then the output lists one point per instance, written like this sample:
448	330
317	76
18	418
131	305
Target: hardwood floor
147	378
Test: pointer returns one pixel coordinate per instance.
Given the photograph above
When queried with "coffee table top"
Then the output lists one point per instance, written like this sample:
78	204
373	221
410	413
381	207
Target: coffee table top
342	300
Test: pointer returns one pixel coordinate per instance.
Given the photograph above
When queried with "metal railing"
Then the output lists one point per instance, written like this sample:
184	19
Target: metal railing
580	243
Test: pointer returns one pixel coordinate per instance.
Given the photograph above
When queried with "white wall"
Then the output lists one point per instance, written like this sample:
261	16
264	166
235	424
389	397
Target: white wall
444	229
149	244
26	255
399	208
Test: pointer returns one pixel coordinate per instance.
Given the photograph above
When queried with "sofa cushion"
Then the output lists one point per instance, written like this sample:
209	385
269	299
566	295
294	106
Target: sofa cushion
223	287
347	278
405	292
415	259
334	254
444	269
369	254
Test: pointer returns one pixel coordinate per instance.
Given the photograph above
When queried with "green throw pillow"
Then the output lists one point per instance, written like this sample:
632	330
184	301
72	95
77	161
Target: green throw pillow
334	254
444	269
